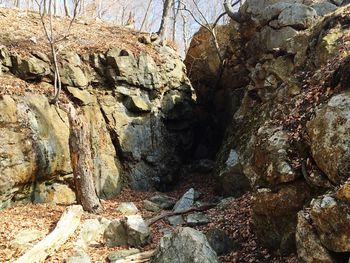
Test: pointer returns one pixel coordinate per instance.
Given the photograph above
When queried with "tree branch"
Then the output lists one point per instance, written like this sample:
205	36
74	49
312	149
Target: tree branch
236	16
155	219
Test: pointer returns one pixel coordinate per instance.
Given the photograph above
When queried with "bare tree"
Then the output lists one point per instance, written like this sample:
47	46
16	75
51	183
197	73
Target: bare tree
185	35
47	23
163	29
200	18
176	10
146	14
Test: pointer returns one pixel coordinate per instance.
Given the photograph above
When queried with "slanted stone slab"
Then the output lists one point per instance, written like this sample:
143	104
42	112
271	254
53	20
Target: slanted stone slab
185	202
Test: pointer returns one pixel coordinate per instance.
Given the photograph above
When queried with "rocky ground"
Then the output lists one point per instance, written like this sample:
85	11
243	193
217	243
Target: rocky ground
233	216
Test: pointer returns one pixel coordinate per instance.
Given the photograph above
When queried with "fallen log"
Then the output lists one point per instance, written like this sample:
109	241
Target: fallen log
142	257
65	227
155	219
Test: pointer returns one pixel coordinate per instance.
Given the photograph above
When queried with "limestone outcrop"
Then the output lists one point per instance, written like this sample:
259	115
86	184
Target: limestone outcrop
287	132
139	110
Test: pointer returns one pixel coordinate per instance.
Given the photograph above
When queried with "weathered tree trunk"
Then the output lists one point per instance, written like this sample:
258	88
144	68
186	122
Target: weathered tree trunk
82	163
163	29
65	227
176	10
185	31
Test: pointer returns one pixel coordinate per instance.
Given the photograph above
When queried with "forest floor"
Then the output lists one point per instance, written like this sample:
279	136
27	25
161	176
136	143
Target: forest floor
22	33
235	219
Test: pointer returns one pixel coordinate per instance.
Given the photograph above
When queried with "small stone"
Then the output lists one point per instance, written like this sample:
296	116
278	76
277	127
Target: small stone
137	104
127	208
224	203
91	231
138	232
115	234
219	241
196	219
185	202
120	254
323	8
176	220
163	201
150	206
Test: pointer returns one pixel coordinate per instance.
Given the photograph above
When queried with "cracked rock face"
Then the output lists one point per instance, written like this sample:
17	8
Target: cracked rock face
139	111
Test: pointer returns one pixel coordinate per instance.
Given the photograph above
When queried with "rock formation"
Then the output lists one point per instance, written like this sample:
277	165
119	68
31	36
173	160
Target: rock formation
287	133
139	110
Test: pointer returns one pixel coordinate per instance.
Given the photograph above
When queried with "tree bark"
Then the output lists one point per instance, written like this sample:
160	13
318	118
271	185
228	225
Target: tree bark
236	16
65	227
163	29
82	162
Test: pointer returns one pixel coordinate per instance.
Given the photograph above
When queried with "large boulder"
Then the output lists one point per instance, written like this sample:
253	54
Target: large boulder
55	193
253	8
271	39
185	245
298	16
131	230
265	160
329	138
309	246
275	215
331	218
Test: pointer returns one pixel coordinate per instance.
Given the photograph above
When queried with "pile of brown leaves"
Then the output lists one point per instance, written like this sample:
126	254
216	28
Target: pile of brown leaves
22	32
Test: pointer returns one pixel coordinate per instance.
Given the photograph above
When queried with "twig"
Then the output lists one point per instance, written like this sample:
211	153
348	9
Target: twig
155	219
